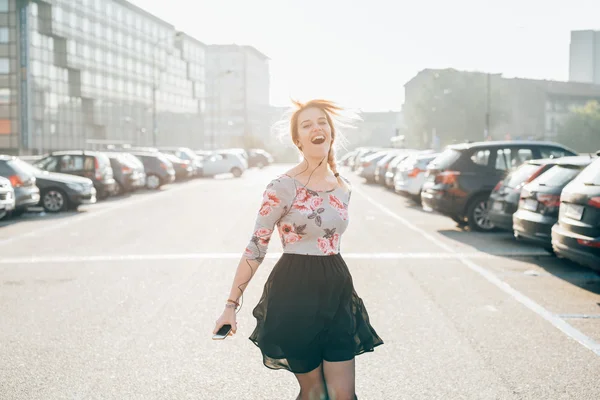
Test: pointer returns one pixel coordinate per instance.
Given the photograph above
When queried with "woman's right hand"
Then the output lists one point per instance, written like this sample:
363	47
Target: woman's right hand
227	318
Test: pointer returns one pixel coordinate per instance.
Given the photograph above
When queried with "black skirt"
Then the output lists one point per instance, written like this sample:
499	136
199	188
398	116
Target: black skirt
309	312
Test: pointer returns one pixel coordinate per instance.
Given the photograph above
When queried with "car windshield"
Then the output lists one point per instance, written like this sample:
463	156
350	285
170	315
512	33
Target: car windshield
559	175
424	161
23	167
189	155
590	175
520	175
446	158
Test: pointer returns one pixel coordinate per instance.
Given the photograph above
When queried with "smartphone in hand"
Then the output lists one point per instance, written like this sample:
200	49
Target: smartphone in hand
222	333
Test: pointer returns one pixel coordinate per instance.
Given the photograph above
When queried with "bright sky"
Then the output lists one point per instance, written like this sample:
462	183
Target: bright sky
360	53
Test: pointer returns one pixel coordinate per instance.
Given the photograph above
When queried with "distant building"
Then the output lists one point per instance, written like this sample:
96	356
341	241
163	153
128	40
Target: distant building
453	105
376	129
584	57
74	73
237	86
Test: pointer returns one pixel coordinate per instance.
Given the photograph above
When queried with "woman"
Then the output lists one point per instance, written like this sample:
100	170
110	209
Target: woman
310	320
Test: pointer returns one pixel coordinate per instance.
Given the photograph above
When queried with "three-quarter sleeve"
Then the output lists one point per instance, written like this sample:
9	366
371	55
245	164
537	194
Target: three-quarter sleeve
275	203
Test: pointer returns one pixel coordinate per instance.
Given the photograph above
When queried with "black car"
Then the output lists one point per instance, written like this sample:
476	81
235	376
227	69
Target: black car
159	170
183	168
128	174
460	180
88	164
186	154
23	182
60	192
504	199
259	158
540	201
576	236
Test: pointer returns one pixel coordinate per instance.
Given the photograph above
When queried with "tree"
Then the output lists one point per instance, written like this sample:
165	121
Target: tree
454	104
581	129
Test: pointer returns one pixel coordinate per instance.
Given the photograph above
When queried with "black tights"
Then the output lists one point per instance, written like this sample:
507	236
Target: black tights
329	381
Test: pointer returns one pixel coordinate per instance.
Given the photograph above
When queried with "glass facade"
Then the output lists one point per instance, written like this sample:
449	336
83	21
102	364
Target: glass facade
95	72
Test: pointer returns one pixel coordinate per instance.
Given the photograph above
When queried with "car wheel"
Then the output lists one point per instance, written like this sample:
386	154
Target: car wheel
119	189
54	200
478	215
236	172
152	182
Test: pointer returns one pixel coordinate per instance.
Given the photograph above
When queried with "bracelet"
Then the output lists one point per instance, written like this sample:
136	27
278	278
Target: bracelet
233	301
229	305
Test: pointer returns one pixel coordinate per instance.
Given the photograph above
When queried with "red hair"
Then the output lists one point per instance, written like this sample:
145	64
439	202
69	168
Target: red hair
329	108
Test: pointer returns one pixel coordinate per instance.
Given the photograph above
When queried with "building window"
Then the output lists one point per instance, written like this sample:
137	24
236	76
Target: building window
3	5
4	66
3	35
4	96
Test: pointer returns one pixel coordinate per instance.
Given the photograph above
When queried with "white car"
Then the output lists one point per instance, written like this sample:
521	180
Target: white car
7	197
223	162
410	175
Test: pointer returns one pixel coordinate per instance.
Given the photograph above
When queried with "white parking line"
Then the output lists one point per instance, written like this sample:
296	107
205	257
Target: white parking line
94	213
580	316
228	256
554	319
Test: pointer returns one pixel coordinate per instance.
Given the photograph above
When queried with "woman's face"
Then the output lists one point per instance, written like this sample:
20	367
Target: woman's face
314	133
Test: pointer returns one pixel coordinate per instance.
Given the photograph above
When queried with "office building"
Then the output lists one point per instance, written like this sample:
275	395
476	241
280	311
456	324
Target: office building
237	86
584	57
74	74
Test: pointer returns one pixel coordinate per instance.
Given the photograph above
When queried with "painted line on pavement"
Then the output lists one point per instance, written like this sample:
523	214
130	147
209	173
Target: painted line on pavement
552	318
228	256
580	316
95	213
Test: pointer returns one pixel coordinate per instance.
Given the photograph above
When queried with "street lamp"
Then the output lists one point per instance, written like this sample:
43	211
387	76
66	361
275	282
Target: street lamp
155	86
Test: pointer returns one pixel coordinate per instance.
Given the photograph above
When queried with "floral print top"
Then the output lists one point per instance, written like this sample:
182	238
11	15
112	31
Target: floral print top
307	221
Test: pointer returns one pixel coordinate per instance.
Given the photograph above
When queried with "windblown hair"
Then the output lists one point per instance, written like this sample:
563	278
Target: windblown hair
335	117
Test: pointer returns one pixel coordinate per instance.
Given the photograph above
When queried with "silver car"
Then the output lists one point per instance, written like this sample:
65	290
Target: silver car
366	169
223	162
7	197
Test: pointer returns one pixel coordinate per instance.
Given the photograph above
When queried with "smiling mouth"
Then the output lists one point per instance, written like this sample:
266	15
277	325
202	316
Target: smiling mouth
318	139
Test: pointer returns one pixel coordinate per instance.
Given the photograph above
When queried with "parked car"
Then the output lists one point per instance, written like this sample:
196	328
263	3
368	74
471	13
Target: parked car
203	154
367	167
576	235
504	199
345	159
410	175
361	154
240	152
93	165
27	194
158	168
139	167
60	192
129	174
225	162
183	168
382	165
186	154
259	158
540	201
460	180
7	197
392	168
